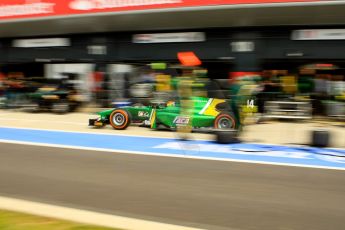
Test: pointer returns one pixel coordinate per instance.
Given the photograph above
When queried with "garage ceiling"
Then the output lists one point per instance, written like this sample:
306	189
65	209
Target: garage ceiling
318	13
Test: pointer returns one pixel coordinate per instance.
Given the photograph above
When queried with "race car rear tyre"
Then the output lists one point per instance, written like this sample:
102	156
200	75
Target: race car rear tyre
120	119
225	121
60	107
227	137
320	138
33	107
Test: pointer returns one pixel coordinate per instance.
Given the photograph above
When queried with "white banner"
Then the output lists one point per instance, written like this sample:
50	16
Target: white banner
321	34
27	9
104	4
41	42
169	37
242	46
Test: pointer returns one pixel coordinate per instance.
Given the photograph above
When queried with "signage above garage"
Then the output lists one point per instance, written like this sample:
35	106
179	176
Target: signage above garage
320	34
17	9
169	37
41	42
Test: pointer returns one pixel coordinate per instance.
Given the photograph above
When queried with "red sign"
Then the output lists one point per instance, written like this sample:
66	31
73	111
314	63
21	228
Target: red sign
15	9
188	59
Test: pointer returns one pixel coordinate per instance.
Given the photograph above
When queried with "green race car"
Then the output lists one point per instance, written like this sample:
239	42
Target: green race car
204	112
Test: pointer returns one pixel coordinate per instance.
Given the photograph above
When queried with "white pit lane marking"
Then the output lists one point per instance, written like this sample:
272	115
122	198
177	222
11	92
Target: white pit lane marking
166	155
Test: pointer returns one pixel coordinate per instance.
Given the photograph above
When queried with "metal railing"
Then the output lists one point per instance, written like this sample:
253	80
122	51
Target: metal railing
288	109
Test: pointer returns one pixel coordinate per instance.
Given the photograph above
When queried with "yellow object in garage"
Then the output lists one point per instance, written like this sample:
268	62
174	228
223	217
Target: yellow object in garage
289	84
51	97
340	97
163	82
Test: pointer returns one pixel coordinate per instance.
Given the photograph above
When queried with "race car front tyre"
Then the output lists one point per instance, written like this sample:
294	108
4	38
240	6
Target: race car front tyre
119	119
225	121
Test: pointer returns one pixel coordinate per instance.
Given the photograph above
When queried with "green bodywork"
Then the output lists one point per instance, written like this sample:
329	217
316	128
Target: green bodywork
137	113
39	94
169	116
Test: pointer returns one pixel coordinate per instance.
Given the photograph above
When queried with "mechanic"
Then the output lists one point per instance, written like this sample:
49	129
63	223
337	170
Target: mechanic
185	92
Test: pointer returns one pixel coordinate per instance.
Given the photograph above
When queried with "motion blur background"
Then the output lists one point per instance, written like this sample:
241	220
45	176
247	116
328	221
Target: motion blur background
99	50
273	59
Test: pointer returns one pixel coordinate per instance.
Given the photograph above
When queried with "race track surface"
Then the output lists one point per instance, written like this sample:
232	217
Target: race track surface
191	192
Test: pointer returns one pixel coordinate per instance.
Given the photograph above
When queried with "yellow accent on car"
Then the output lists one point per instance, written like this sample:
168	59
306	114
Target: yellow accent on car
98	123
211	109
153	119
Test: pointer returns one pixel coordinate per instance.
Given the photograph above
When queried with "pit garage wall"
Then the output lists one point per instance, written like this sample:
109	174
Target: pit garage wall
221	46
278	45
83	71
77	50
267	44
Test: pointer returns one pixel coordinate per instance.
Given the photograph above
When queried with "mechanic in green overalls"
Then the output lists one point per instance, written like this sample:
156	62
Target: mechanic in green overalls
235	100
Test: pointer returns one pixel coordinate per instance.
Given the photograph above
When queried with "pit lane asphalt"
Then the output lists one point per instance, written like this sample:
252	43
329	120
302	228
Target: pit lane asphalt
281	133
198	193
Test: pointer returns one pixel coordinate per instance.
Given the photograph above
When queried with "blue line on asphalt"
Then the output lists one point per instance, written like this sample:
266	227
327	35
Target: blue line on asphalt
303	156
